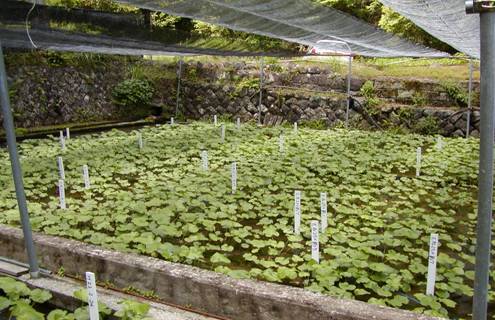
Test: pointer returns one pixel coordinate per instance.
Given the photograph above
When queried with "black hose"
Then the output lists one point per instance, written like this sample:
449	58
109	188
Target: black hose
362	111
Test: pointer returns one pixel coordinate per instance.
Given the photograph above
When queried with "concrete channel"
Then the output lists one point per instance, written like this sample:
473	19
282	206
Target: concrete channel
191	287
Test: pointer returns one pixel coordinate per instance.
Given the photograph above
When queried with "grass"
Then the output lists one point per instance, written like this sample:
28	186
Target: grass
438	69
454	69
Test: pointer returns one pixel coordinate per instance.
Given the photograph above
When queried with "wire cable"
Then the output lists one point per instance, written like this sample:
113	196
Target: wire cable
27	24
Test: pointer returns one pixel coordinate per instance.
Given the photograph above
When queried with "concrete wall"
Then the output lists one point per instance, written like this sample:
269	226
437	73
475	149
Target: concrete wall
194	287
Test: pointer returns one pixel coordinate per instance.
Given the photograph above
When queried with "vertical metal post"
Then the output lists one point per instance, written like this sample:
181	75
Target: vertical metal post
468	120
349	75
262	76
485	177
179	76
8	124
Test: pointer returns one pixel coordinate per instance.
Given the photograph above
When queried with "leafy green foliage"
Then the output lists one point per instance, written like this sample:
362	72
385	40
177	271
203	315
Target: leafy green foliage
371	101
102	5
375	13
82	294
427	125
158	201
419	99
368	10
132	310
60	315
17	300
314	124
218	258
133	92
393	22
244	84
459	95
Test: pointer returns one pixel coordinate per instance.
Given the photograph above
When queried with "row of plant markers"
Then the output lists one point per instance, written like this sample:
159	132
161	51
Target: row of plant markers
314	224
234	214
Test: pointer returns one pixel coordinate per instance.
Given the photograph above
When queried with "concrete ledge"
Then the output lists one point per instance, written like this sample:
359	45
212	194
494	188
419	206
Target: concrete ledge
62	290
190	286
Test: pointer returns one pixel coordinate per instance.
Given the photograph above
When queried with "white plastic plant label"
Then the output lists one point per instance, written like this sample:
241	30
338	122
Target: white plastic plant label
234	177
418	161
215	120
281	147
432	265
295	127
67	133
61	194
172	121
324	212
140	140
62	140
92	296
61	170
238	123
204	159
315	241
439	143
222	133
297	212
87	183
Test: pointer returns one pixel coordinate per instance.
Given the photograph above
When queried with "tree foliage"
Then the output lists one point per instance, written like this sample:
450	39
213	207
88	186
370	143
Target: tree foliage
372	11
102	5
368	10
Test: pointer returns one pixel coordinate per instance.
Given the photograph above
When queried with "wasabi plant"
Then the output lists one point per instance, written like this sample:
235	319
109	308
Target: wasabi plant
160	202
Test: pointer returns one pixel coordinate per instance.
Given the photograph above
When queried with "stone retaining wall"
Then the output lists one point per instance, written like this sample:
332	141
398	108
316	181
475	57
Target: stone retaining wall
50	95
201	100
44	96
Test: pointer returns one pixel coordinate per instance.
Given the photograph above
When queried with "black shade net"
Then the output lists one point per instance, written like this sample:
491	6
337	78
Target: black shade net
444	19
82	30
298	21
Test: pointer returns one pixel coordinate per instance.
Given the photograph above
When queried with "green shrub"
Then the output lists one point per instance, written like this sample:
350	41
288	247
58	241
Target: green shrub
133	92
371	101
406	115
21	131
319	124
276	68
419	99
368	89
152	73
459	95
191	74
427	125
244	83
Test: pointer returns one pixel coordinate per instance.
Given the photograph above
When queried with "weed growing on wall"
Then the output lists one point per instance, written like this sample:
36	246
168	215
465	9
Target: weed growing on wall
371	101
459	95
133	93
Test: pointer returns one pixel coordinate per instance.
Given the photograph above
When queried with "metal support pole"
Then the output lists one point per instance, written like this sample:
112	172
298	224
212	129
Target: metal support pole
262	76
349	75
485	177
468	120
8	124
179	76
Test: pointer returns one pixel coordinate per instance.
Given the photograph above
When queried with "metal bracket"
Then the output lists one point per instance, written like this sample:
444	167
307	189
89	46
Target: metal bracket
480	6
